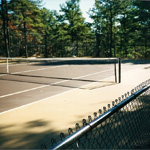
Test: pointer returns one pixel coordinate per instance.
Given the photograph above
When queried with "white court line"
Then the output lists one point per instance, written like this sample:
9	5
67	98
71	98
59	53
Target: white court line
37	101
3	65
47	86
2	75
52	84
92	74
33	89
23	91
12	65
16	64
13	109
34	70
38	69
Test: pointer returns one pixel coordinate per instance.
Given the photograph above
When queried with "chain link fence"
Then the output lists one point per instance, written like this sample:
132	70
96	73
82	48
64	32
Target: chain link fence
123	125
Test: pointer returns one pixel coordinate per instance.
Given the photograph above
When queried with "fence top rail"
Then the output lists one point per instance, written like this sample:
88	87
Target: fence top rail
89	126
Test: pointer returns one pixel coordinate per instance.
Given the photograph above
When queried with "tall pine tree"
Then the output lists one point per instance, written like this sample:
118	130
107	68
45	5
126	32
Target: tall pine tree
73	16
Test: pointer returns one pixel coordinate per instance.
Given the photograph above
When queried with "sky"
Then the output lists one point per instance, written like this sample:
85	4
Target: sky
85	5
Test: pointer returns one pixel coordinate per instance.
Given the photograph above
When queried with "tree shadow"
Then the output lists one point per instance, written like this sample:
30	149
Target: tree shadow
49	81
129	128
75	62
26	139
65	61
136	62
36	123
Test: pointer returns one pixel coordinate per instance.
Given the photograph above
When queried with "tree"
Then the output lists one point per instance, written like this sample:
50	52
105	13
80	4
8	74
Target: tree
143	21
49	21
73	16
96	15
105	14
126	26
25	16
119	29
111	20
4	13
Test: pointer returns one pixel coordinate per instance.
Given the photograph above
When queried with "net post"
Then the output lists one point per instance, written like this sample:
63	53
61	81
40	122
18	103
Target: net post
115	70
119	70
7	66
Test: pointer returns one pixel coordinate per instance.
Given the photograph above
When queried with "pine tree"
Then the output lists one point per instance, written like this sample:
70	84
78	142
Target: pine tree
4	14
25	16
48	18
143	21
73	16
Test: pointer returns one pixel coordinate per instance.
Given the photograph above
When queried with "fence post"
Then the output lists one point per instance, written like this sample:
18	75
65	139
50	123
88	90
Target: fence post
119	69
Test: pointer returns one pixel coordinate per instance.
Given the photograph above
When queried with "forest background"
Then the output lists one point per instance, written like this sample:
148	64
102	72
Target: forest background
119	28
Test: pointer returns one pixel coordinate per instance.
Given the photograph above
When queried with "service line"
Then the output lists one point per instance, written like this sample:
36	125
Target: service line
55	83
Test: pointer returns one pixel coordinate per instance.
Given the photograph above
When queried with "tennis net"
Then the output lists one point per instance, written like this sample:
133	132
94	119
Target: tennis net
49	70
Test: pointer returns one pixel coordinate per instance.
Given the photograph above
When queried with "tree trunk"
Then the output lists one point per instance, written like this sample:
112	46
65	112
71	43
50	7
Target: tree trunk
97	46
97	42
5	25
46	51
26	42
111	32
77	48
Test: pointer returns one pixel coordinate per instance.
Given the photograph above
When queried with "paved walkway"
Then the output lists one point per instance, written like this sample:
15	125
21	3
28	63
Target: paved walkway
32	125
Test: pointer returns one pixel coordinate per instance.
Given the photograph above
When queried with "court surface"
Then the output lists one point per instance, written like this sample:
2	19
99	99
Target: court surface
30	83
42	107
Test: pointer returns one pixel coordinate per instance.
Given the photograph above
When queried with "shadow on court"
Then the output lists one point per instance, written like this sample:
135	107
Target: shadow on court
43	80
125	129
136	62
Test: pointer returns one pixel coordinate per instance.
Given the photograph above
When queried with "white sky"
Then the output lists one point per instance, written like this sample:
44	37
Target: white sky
85	5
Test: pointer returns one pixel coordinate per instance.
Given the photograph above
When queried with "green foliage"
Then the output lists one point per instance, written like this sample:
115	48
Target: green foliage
119	29
76	27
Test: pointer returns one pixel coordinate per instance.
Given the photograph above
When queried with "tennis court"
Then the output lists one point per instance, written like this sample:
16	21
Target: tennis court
25	81
53	109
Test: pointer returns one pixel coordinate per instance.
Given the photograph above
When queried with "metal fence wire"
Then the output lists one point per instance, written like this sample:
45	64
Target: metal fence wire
123	125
